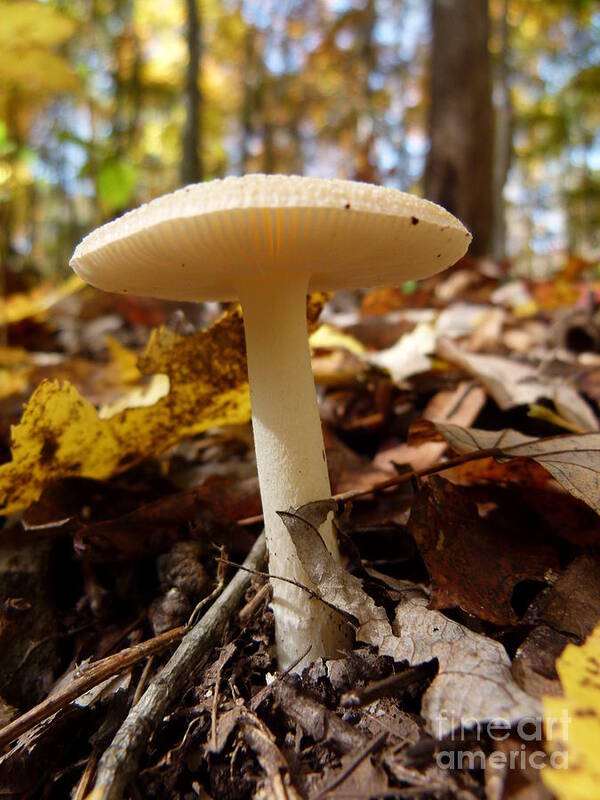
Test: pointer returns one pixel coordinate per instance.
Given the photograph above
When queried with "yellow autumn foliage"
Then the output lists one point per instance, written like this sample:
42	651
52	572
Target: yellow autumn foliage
572	722
22	305
61	433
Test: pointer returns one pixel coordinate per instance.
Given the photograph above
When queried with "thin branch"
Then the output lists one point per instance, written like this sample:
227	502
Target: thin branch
349	769
405	477
120	761
89	676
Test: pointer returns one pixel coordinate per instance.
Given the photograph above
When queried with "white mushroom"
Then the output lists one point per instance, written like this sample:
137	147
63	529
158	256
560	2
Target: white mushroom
267	241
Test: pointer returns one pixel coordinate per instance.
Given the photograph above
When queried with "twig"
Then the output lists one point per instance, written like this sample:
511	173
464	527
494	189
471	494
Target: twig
311	592
89	677
226	654
400	681
139	689
247	612
349	769
119	763
215	592
398	480
86	778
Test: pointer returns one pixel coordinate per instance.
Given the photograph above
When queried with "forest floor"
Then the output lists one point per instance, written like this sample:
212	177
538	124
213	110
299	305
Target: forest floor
471	552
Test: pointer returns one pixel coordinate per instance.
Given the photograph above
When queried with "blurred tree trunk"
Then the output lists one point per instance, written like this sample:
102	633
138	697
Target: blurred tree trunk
247	106
191	162
503	134
459	171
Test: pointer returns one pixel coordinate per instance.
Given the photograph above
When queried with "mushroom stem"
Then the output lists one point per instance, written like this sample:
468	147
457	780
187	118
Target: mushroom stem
290	456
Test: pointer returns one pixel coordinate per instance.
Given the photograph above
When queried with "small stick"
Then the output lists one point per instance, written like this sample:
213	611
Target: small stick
387	686
311	592
398	480
120	761
139	689
215	592
86	778
89	677
364	753
248	610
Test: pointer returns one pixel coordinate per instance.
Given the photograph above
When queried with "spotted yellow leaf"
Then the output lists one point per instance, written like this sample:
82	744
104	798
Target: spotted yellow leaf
204	385
572	724
61	433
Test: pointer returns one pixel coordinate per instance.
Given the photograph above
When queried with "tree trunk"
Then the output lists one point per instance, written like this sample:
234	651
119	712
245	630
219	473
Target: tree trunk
503	135
191	162
459	171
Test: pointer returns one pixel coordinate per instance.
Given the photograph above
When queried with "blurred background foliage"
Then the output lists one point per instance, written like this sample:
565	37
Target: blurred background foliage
490	108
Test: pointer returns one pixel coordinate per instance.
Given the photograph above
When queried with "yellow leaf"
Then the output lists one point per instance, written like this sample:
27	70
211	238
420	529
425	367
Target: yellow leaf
126	360
27	24
329	338
61	433
572	724
20	306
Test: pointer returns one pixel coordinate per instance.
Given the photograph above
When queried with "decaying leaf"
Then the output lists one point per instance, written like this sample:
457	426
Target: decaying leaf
60	432
474	562
511	384
572	723
572	459
460	407
335	584
474	682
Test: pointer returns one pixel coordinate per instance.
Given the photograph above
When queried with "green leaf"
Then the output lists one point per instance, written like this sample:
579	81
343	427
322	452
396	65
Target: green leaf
116	183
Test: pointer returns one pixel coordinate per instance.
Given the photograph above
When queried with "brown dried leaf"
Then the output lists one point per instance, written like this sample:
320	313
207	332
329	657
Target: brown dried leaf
474	682
511	384
474	562
572	459
335	584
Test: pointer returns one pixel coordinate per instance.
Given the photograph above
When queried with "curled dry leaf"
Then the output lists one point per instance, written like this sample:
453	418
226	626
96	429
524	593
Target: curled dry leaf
573	460
511	384
335	584
474	682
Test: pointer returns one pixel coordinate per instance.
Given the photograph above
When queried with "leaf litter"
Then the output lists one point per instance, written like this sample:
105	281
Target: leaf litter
461	589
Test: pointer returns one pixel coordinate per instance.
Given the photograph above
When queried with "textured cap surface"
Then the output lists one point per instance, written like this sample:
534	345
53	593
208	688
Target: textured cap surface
201	242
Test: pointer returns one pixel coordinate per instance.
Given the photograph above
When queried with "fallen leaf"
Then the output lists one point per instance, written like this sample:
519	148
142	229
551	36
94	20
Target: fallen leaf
512	383
534	662
61	434
474	682
572	605
329	338
474	562
409	355
459	407
573	460
18	307
572	724
335	584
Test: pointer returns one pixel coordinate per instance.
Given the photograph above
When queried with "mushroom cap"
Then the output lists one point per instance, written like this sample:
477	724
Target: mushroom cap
201	242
